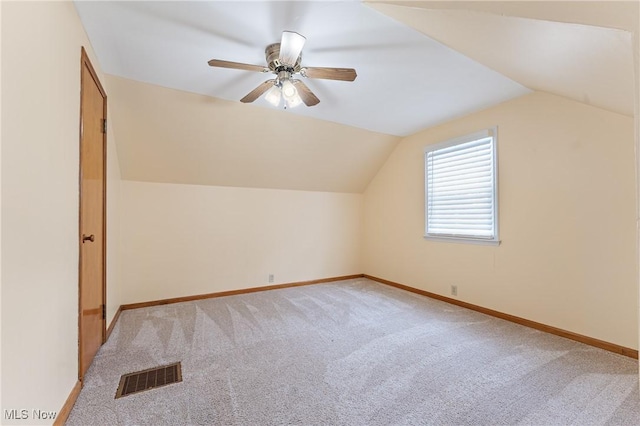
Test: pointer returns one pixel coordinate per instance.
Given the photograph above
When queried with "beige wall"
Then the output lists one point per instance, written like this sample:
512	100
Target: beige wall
567	219
40	114
636	62
181	240
172	136
114	288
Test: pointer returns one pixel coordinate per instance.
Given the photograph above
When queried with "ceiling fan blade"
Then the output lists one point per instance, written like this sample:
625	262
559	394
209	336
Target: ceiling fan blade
344	74
258	91
305	93
237	65
290	47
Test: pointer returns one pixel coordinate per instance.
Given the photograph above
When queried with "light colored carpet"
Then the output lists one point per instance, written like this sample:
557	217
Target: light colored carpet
353	352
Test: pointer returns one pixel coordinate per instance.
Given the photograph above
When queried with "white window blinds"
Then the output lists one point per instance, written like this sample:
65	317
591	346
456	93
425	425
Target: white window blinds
461	189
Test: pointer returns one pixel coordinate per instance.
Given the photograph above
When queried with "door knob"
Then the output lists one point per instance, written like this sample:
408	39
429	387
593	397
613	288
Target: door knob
91	238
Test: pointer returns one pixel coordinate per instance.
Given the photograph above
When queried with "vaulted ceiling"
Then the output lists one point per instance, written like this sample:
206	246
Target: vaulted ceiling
419	64
580	50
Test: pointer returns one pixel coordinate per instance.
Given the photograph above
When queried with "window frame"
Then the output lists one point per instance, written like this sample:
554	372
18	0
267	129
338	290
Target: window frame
486	133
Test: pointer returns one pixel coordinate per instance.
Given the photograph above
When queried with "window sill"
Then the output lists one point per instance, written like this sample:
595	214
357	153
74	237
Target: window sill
462	240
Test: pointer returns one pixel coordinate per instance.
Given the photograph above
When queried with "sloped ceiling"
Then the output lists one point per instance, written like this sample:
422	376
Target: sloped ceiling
419	64
172	136
622	15
588	57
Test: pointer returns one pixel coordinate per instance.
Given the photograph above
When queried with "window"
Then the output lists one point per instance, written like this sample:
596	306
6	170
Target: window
461	189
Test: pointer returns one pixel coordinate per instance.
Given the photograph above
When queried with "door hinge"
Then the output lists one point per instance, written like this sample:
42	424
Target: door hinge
104	311
104	125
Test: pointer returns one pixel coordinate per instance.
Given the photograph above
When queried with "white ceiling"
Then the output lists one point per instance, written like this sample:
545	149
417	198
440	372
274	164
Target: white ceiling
406	81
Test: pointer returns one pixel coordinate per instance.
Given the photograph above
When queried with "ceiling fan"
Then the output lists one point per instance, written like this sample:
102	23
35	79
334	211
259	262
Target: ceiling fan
283	60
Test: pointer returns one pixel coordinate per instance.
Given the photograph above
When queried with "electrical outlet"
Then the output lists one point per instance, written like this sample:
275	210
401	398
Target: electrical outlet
270	278
454	290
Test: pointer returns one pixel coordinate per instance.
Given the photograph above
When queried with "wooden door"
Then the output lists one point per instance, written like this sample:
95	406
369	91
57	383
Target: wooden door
92	216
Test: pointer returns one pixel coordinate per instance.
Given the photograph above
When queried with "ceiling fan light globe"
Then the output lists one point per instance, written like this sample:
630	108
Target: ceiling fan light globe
273	96
288	90
294	101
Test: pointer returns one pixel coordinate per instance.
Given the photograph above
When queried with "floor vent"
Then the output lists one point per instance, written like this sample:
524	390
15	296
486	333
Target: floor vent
149	379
